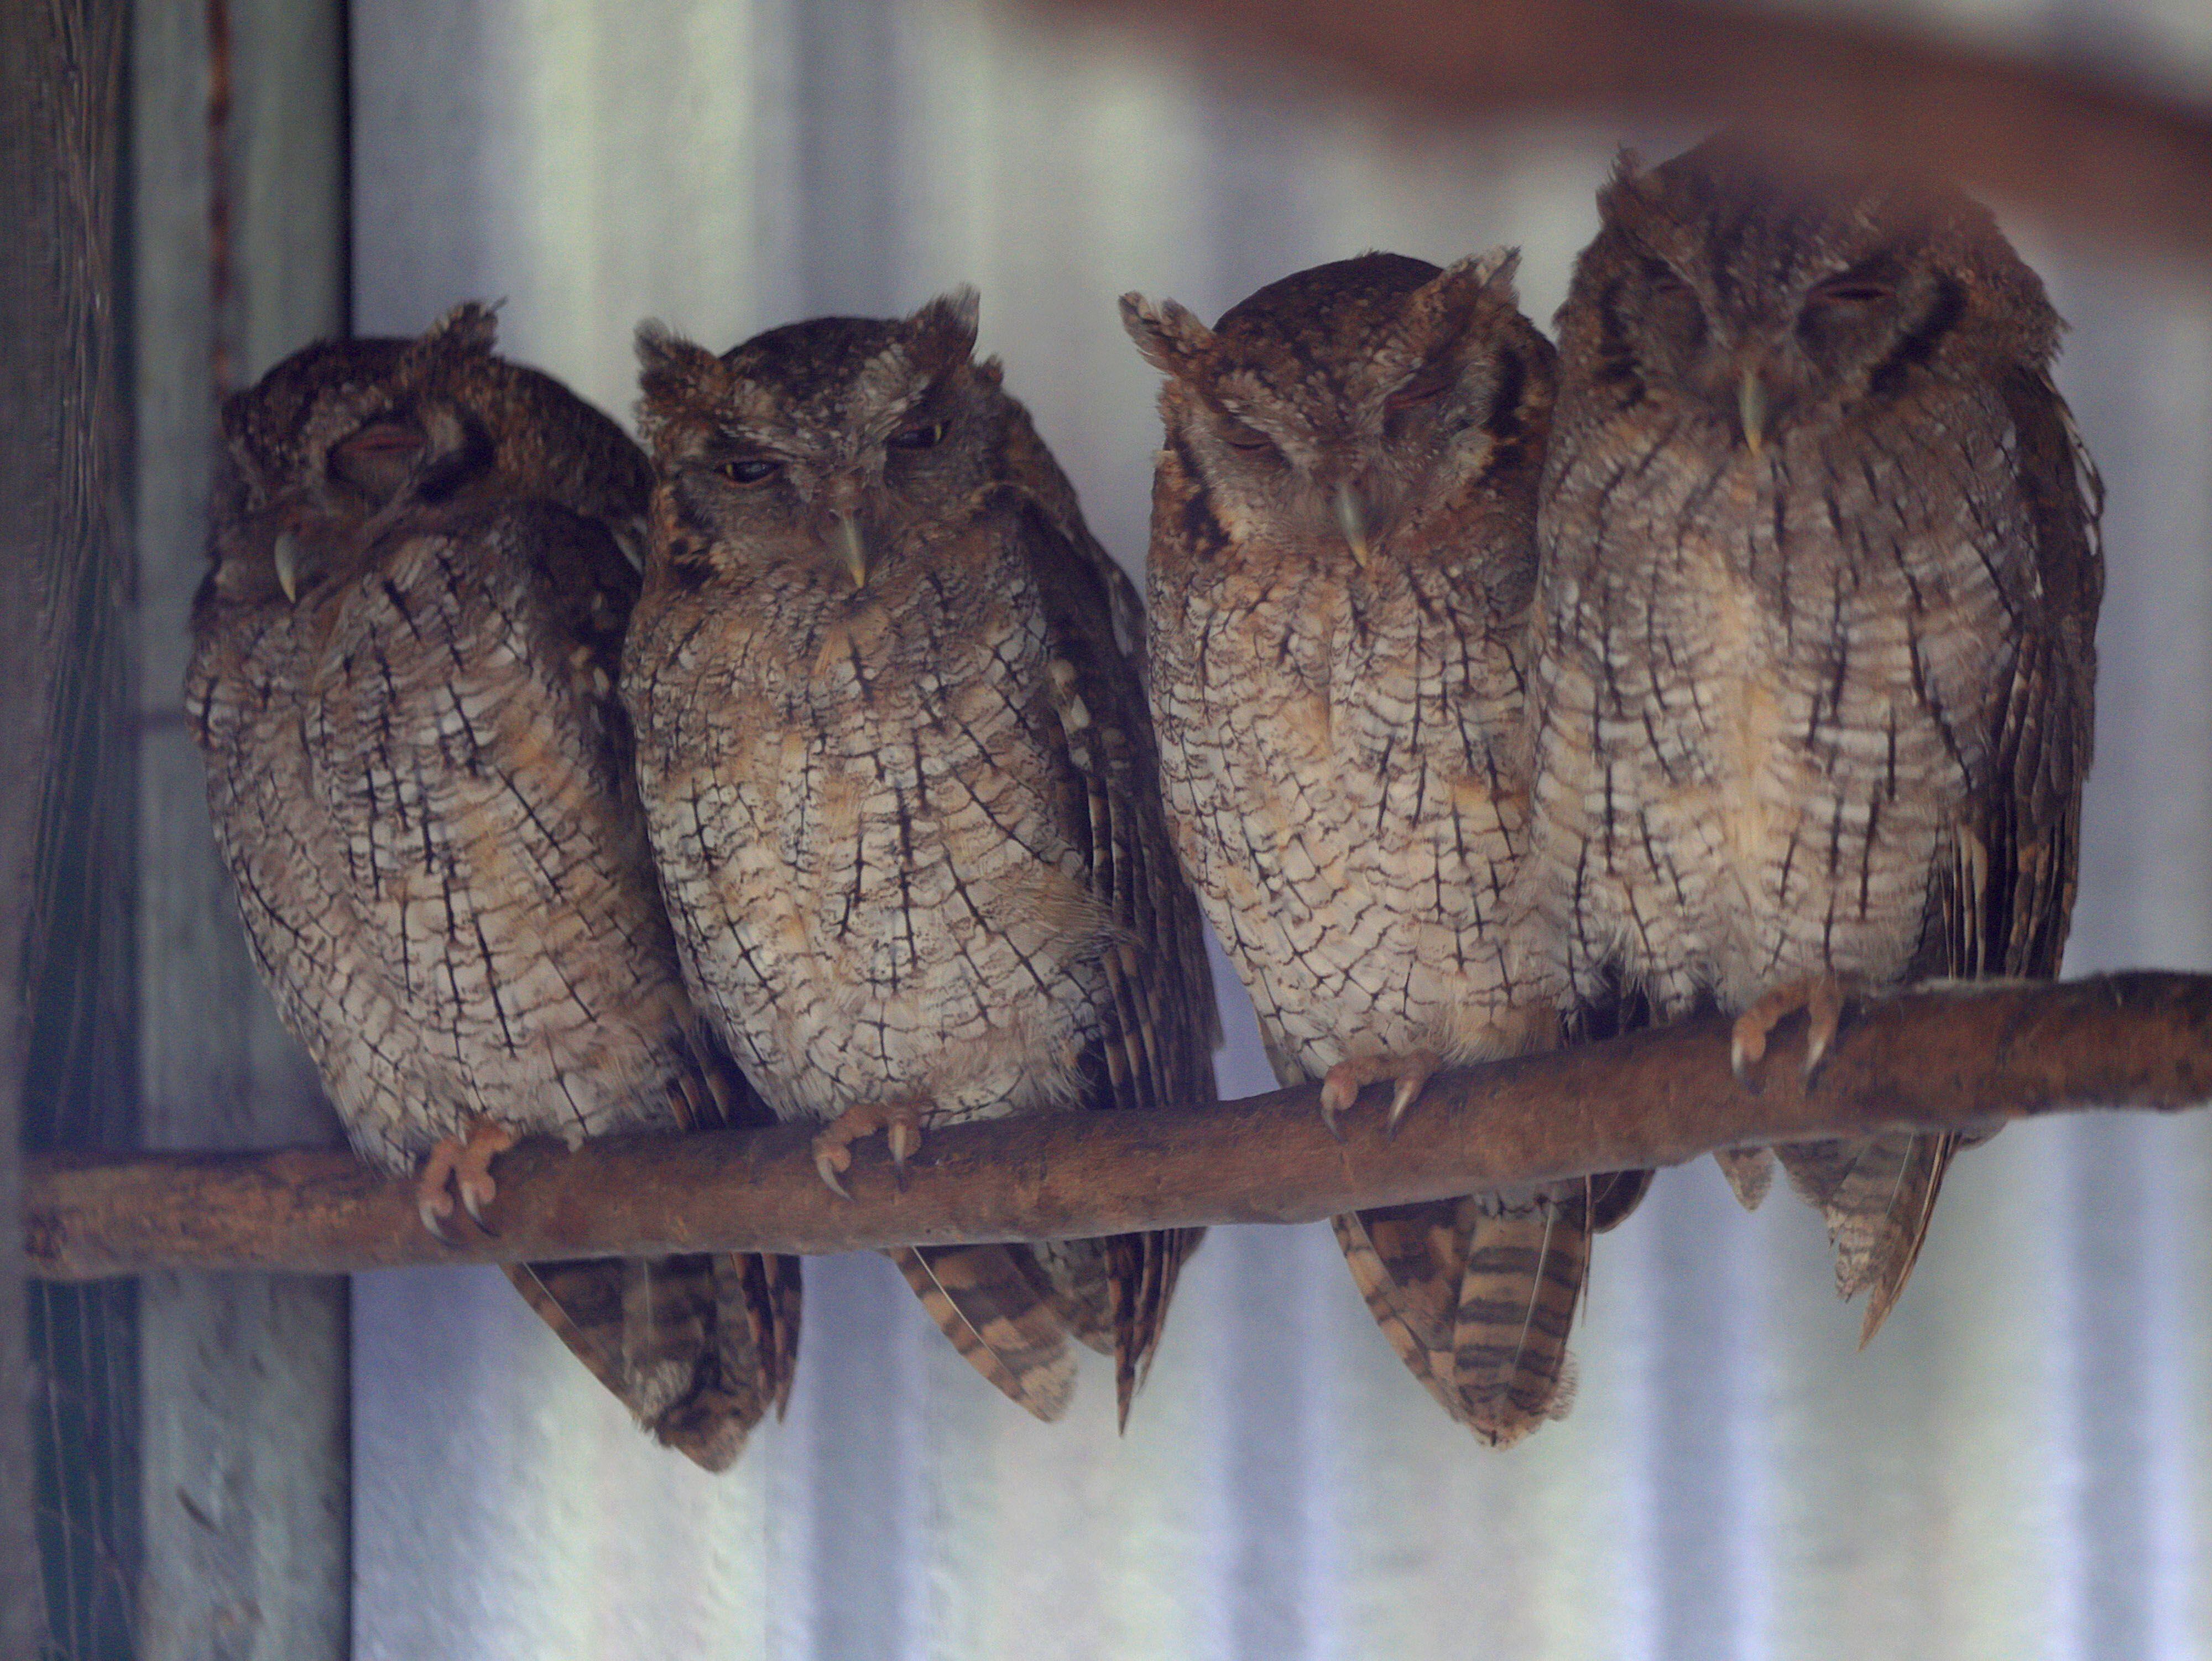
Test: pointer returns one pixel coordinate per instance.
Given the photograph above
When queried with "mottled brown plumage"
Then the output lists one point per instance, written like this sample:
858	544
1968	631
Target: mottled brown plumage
1814	628
1343	547
901	786
403	683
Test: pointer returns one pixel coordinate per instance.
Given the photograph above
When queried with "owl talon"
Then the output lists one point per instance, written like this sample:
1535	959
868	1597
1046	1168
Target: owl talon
901	1123
432	1204
432	1211
1341	1087
1821	998
1411	1084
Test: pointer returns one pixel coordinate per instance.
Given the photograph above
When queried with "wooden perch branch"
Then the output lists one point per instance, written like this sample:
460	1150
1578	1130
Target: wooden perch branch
2083	148
1947	1058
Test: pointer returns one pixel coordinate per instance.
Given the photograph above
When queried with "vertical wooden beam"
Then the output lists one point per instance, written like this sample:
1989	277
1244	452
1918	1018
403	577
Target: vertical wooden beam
60	82
240	213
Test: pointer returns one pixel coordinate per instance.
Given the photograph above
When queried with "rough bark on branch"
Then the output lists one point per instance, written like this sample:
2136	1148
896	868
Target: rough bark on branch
2085	149
1951	1057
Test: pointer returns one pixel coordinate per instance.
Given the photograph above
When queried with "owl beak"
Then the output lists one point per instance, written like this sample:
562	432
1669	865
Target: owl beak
1752	408
853	548
1352	519
287	556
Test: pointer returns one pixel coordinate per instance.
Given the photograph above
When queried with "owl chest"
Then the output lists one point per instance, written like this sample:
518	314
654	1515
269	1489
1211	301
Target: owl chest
452	927
1336	782
1784	742
901	908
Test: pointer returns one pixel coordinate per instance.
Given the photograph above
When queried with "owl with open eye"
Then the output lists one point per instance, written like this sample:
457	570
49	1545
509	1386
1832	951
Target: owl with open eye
403	682
1813	633
901	786
1343	551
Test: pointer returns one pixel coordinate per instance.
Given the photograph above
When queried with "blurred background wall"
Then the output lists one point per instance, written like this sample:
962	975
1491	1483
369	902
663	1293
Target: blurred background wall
2018	1469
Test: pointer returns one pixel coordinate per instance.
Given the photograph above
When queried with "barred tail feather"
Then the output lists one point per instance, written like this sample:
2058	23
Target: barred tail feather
1407	1262
1878	1195
995	1308
1525	1269
1477	1299
699	1347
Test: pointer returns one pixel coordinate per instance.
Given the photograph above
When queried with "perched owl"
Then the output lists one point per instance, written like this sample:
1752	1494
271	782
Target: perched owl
1813	632
1343	549
403	683
901	787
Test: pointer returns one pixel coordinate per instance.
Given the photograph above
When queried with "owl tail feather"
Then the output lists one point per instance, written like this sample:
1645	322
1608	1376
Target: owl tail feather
1476	1298
698	1348
1878	1195
998	1311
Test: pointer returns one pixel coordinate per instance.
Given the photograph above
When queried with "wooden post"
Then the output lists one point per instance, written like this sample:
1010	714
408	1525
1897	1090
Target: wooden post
240	214
60	81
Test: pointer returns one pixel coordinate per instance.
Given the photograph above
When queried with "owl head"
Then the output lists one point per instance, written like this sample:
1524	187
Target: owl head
827	457
1342	410
1747	288
347	436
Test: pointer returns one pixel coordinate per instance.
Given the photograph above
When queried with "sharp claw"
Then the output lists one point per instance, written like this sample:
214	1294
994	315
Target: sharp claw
472	1203
434	1220
1742	1061
1328	1111
1408	1093
825	1164
904	1137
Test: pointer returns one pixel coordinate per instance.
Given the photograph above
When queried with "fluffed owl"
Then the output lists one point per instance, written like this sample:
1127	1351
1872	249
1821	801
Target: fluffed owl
403	684
901	787
1814	656
1343	551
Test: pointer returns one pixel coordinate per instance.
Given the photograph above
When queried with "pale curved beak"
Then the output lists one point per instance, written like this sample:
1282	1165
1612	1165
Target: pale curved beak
286	555
853	548
1752	408
1352	519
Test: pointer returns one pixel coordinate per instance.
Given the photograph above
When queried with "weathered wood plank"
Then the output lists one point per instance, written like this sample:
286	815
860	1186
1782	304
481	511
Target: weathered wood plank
241	207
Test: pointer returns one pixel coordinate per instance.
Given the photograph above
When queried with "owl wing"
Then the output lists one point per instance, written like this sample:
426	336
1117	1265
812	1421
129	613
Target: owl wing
497	671
2003	891
1160	1022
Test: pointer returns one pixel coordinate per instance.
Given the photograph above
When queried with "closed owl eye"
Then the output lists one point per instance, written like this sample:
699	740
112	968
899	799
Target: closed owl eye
1664	281
1239	436
1850	289
750	470
921	436
1429	382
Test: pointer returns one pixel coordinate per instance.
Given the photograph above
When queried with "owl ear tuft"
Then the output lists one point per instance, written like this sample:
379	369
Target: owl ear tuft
1629	189
942	334
471	329
1172	340
671	370
1444	305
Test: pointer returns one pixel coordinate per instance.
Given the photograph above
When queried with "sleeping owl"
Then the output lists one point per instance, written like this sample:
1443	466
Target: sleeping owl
1343	549
901	786
403	682
1814	637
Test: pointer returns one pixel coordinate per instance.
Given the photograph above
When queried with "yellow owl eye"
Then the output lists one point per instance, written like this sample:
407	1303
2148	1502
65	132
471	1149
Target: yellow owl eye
921	437
753	469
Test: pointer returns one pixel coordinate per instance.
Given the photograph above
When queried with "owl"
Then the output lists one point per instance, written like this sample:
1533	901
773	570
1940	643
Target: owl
1814	630
403	682
901	787
1343	551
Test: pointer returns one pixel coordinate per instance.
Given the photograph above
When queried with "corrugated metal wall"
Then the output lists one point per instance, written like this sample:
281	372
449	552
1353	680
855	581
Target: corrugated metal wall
2018	1469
